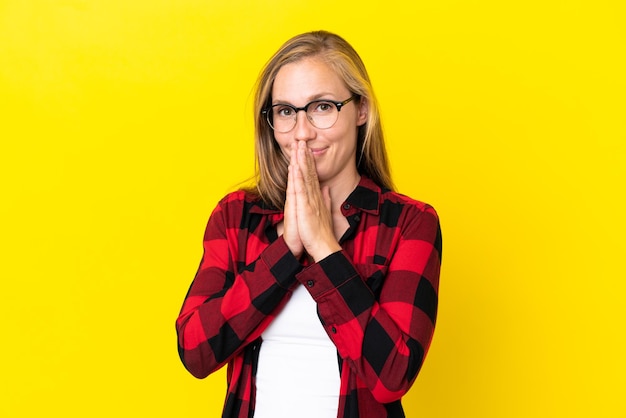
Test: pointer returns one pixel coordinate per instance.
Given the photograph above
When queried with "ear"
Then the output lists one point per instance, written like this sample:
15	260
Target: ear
362	110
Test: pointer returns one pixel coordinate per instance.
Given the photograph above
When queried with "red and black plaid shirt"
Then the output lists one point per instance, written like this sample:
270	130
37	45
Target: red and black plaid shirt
377	298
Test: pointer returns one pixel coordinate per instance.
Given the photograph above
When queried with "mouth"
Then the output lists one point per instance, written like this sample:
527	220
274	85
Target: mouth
318	151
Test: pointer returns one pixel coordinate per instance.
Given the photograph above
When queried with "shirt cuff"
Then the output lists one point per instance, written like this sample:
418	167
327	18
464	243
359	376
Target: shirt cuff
327	274
281	263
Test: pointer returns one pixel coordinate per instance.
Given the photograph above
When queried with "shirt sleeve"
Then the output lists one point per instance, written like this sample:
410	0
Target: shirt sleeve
227	307
385	339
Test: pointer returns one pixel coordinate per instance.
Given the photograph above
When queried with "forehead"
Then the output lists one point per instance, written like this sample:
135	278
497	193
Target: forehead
308	79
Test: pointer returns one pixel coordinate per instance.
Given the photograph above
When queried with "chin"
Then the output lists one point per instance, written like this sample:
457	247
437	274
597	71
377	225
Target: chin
322	175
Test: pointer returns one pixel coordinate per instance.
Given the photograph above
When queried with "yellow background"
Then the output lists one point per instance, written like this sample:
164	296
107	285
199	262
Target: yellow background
123	122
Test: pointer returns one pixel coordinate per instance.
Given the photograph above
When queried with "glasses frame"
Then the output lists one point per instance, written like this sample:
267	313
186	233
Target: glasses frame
268	111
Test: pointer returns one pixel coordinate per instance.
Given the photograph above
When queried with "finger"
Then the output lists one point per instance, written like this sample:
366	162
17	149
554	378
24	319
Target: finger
293	158
297	176
290	202
296	173
290	223
300	173
306	159
290	192
309	173
292	163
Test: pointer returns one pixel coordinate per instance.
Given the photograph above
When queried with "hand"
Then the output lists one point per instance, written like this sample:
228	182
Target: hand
312	205
290	223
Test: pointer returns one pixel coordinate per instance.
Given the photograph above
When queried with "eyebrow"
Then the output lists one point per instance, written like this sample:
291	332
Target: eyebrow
313	98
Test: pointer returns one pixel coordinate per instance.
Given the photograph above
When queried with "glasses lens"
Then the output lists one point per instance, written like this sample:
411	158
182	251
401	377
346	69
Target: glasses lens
322	114
282	118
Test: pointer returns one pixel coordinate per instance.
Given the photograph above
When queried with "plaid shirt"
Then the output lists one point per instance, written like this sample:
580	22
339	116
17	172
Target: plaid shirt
377	298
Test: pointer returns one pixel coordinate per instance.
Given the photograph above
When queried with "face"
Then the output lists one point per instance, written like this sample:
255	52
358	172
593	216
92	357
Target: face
334	149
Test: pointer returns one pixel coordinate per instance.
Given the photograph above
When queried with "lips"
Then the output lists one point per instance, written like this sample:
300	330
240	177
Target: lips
318	151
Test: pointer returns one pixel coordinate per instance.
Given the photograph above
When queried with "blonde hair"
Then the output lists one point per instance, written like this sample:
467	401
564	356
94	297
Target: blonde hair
271	164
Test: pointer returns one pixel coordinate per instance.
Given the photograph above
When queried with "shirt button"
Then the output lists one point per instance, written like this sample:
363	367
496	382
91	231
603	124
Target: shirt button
310	283
334	330
357	218
346	206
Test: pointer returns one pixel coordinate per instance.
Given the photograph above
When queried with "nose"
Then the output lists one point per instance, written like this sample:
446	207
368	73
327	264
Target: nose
304	130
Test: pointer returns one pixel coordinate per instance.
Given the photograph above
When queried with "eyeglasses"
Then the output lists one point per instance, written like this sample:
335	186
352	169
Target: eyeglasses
322	114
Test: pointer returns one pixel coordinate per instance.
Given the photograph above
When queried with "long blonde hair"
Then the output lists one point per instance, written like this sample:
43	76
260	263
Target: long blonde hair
271	164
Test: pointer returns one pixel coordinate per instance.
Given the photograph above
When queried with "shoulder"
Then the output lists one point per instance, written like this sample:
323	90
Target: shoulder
233	211
243	202
238	197
415	219
393	207
390	199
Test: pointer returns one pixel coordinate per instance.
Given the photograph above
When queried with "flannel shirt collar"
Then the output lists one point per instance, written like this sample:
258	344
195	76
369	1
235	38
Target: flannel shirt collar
365	197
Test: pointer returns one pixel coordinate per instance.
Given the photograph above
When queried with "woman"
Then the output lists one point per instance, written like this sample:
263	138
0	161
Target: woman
318	287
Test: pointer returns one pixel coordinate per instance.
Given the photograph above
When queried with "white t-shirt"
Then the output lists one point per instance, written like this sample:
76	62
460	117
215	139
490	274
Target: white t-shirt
298	370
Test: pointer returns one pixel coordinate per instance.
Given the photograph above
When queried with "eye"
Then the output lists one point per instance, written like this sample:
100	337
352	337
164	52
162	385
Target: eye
323	107
283	111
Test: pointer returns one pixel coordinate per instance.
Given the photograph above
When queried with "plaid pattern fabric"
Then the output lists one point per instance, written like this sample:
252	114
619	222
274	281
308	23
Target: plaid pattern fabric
377	298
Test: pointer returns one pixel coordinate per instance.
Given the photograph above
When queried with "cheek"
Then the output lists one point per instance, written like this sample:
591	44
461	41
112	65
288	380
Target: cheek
284	146
345	137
